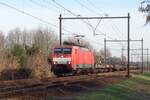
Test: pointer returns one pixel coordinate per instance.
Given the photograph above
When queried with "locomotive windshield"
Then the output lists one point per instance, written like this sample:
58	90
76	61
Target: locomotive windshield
58	50
67	50
62	50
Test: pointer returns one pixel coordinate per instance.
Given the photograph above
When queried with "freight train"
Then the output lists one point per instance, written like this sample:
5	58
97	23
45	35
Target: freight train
74	60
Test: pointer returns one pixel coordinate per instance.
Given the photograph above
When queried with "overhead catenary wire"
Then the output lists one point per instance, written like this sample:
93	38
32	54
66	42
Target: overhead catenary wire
93	29
113	25
115	30
82	5
44	6
28	14
97	25
79	16
91	3
103	13
41	5
55	6
65	8
72	13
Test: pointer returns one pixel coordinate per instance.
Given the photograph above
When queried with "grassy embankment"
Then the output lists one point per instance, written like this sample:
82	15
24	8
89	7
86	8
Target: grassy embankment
135	88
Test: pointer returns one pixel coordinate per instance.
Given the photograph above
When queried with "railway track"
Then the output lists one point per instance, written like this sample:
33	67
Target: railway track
21	88
31	85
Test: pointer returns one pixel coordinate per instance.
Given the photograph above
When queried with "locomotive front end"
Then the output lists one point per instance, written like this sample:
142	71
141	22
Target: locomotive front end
61	60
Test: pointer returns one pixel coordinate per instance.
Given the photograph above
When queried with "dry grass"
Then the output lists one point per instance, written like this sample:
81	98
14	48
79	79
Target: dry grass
7	61
39	66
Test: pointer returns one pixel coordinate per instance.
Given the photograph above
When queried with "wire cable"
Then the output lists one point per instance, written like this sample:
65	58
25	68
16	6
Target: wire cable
46	2
72	13
113	25
41	5
28	14
91	3
82	5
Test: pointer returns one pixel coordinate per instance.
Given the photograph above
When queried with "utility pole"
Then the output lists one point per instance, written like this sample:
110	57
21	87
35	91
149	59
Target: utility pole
147	59
142	55
123	61
128	46
122	54
105	52
60	30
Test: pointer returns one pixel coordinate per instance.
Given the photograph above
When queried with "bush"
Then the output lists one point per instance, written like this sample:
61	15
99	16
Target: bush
7	60
20	52
7	74
39	65
13	74
30	51
23	73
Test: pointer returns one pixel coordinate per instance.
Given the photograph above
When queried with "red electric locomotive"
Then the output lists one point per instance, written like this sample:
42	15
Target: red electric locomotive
71	60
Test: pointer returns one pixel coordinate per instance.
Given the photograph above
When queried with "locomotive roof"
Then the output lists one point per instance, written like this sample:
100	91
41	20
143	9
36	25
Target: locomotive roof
64	46
71	46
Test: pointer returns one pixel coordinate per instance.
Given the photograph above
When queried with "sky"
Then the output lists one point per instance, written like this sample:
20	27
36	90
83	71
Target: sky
49	10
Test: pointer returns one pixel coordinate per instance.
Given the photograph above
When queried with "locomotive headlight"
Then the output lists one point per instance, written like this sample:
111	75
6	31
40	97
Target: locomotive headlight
54	62
69	62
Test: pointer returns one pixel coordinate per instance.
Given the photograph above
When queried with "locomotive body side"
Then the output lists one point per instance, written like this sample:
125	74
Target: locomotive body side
74	60
86	59
82	60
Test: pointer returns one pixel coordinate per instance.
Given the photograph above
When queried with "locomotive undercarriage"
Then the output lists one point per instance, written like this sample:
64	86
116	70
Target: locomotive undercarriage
61	70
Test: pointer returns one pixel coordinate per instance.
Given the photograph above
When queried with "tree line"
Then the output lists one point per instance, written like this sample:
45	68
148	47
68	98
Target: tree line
26	50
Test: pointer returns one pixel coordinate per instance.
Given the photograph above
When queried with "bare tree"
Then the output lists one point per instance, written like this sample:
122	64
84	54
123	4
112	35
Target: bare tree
114	60
108	53
14	37
145	8
26	38
22	49
3	59
2	40
44	38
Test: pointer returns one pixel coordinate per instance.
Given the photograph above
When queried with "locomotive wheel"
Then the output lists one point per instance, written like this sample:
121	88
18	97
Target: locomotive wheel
74	72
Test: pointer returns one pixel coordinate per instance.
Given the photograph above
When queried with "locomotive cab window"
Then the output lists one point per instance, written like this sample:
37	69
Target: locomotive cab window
58	50
62	50
67	50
